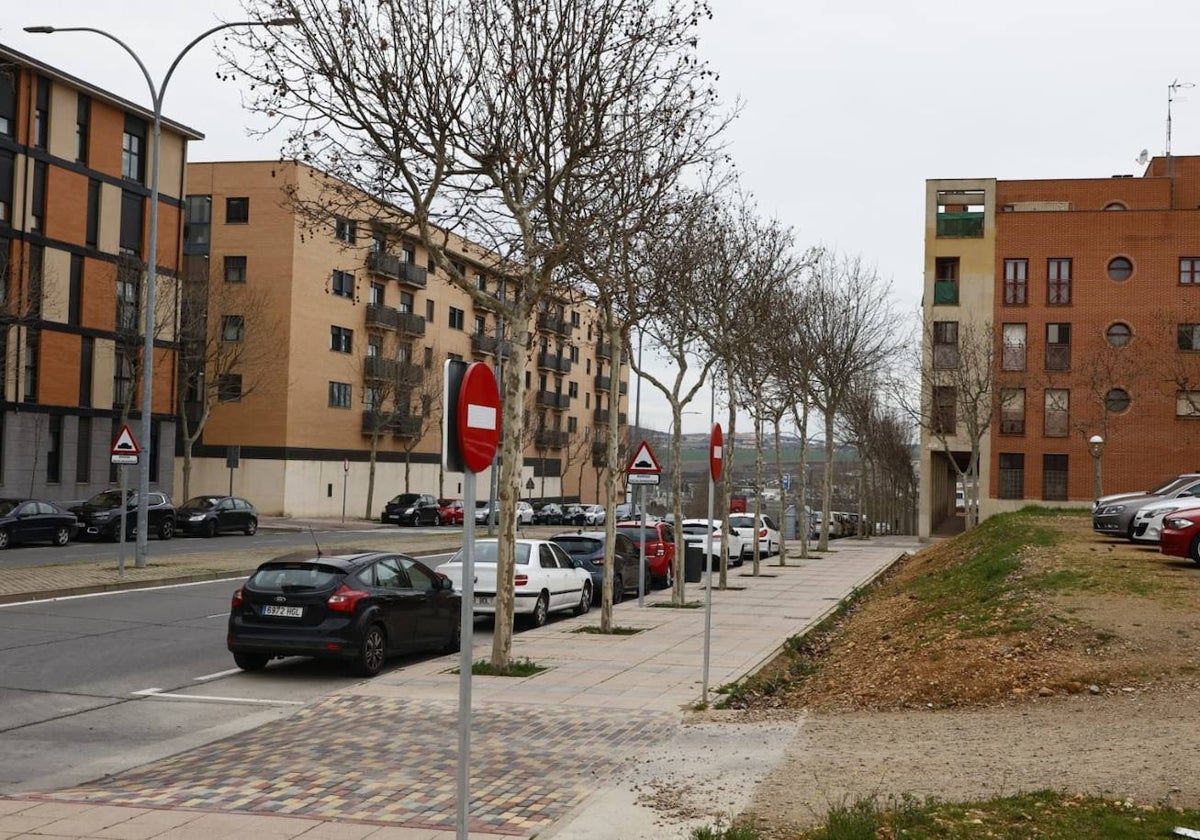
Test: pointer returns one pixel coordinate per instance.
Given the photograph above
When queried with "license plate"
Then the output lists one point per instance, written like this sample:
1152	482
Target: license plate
481	601
283	612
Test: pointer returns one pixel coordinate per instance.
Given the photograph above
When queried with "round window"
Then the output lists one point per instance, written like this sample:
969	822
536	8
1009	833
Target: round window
1114	205
1118	334
1119	268
1116	400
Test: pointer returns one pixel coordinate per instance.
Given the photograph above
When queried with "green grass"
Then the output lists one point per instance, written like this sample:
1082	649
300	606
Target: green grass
1044	815
667	605
735	831
516	668
1061	580
613	631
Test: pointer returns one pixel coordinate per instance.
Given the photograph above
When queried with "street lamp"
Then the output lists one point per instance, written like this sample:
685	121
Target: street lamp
156	97
1096	447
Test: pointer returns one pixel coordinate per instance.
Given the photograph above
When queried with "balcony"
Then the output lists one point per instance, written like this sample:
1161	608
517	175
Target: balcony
550	439
390	318
388	265
555	324
599	453
601	415
967	225
555	362
553	399
604	383
403	374
485	345
385	423
945	293
410	324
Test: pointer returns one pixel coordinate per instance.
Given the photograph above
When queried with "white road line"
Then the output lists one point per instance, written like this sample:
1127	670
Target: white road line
158	692
219	615
217	675
123	592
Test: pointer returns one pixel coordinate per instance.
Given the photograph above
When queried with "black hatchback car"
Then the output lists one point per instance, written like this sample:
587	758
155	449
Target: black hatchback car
412	509
33	520
587	548
212	515
360	607
100	516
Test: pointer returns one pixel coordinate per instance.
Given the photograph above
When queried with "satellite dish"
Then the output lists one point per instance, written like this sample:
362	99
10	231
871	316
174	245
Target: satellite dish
1143	156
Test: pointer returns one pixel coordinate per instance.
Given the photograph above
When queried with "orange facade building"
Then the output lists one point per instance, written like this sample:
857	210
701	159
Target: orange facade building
1090	290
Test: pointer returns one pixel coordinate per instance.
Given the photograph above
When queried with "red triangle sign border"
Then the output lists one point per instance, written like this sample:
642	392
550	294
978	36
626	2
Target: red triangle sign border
643	461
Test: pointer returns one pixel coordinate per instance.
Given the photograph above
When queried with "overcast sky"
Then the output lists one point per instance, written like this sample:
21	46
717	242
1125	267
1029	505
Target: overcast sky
847	106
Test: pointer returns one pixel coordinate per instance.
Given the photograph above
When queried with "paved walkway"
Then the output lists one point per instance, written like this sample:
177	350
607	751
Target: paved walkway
556	753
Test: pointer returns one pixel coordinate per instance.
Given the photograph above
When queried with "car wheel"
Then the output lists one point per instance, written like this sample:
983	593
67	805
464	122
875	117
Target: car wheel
454	643
371	652
62	535
252	527
3	538
167	529
618	590
541	611
415	521
585	599
250	661
209	529
1195	550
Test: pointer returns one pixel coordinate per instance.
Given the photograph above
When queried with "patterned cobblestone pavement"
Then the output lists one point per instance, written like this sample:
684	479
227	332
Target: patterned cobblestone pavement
394	762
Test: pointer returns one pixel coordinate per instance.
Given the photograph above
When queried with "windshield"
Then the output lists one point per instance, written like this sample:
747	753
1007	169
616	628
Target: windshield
405	499
485	552
6	506
741	522
576	546
694	528
635	534
1169	485
107	498
293	577
201	501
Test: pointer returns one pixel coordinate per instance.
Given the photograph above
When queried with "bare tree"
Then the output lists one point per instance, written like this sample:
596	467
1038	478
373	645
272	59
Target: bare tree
228	335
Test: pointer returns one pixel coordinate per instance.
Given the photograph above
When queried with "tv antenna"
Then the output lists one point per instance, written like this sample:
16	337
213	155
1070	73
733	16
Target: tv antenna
1171	88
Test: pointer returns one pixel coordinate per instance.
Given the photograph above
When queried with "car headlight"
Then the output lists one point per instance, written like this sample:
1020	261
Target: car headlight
1110	510
1156	512
101	516
1178	523
196	517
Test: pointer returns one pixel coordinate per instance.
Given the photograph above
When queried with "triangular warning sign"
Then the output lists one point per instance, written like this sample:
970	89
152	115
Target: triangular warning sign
125	444
644	462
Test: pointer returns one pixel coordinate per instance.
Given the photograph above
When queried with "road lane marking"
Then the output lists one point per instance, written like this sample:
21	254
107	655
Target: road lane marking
123	592
217	675
158	692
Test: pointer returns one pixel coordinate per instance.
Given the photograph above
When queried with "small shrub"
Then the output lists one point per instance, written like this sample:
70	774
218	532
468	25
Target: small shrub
517	668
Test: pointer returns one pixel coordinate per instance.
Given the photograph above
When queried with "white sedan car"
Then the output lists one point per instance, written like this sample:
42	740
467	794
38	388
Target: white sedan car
1148	521
594	514
546	580
695	532
524	513
768	534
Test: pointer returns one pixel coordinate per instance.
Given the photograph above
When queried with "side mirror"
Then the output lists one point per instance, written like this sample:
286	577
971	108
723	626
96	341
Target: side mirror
445	583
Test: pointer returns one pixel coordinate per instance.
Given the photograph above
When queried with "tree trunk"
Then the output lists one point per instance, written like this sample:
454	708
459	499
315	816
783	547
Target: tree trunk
407	468
441	464
782	494
610	480
827	484
801	418
678	592
758	488
371	473
727	478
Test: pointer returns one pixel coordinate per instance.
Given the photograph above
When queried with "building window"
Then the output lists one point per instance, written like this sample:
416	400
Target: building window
339	394
75	290
945	344
237	210
341	340
1120	268
122	378
1114	205
197	224
1016	277
1056	422
408	253
83	450
407	303
1012	352
1054	478
1188	336
54	426
480	282
456	318
1118	334
37	213
574	318
127	302
1189	270
1012	475
41	114
235	269
132	207
233	328
1012	411
87	356
428	363
7	168
945	282
133	143
429	312
1058	285
343	283
1187	404
573	353
31	365
8	108
573	389
480	325
92	235
944	419
1116	400
1058	347
229	387
377	292
345	230
83	118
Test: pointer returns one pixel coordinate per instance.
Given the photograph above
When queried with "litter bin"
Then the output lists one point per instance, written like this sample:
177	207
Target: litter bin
693	563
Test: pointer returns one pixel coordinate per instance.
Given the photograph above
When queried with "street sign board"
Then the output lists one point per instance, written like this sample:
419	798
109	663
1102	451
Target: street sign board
787	481
478	417
452	377
643	461
716	452
122	458
642	478
125	444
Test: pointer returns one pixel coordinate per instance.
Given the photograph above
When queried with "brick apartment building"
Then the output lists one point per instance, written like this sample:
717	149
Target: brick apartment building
345	326
74	218
1091	288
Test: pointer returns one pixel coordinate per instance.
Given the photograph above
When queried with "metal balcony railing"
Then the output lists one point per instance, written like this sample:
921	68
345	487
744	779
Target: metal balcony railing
550	439
389	265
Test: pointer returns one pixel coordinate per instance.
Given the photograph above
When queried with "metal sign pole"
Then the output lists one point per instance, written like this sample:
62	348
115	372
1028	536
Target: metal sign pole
642	552
345	475
121	538
708	596
467	639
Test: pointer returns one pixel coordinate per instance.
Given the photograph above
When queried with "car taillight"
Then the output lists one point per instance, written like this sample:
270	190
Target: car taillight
236	601
520	580
659	549
762	533
345	599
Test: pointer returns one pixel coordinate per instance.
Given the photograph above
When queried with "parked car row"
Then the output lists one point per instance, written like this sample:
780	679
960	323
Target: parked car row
1168	514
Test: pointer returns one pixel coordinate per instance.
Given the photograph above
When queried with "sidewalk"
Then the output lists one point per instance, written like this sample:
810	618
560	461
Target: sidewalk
602	745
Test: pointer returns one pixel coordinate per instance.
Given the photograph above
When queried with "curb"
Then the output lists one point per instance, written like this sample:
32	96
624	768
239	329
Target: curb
119	586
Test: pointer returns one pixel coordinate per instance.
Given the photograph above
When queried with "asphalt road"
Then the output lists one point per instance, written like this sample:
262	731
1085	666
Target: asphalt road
97	684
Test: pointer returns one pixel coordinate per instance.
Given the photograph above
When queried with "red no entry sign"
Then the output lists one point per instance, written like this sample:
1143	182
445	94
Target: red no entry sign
478	417
716	452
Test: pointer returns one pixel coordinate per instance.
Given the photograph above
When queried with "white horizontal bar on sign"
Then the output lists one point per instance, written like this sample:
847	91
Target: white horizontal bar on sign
716	452
481	417
642	478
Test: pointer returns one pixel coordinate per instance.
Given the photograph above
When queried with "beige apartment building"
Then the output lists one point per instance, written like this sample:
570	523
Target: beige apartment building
328	340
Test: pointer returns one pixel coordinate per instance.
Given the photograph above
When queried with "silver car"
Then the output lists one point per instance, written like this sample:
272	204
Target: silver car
1113	515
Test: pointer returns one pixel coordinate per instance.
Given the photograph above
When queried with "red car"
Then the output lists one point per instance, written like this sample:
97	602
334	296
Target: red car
450	512
660	548
1181	534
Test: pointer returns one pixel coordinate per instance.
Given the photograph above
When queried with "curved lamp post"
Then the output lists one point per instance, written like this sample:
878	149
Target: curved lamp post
156	98
1096	447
